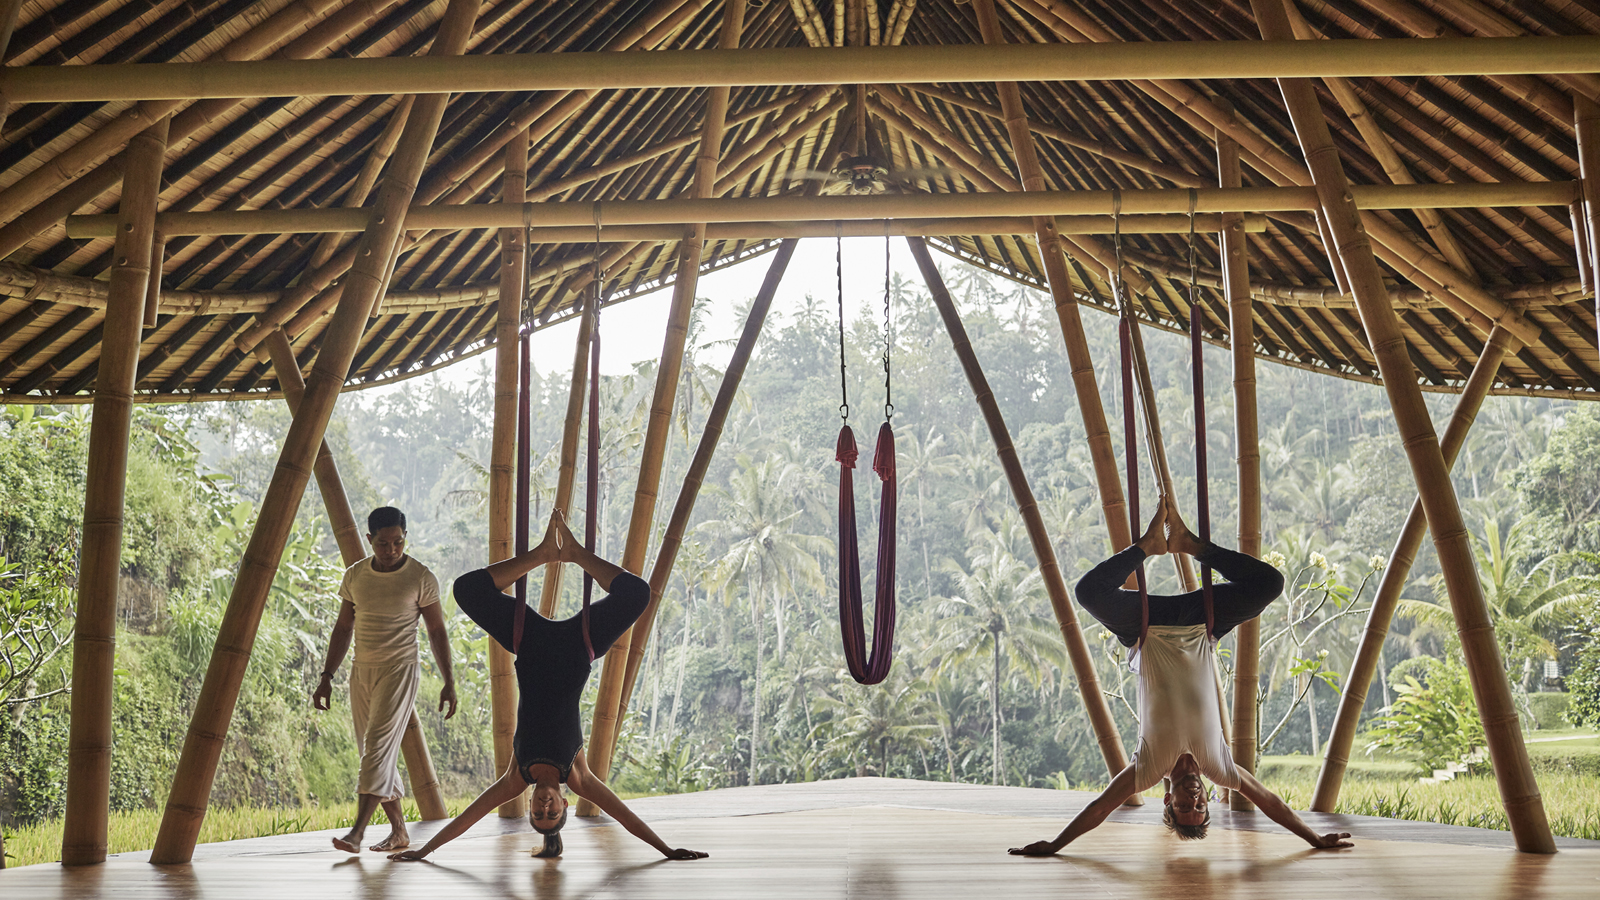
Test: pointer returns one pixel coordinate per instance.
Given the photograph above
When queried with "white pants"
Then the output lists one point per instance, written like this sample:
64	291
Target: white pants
381	700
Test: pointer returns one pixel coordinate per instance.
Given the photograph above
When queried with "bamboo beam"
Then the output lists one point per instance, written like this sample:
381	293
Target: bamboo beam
1077	649
607	709
1354	697
106	140
1518	789
186	805
716	419
1202	113
714	210
69	196
1247	449
508	316
1383	151
1102	454
600	70
94	641
1586	120
347	534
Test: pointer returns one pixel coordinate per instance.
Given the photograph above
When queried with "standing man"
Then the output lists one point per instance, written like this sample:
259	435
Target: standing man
383	596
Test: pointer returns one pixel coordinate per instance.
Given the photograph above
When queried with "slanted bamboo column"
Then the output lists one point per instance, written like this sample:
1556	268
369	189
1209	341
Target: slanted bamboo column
202	748
1518	789
1094	701
1586	117
94	641
1401	558
508	317
347	534
1241	336
1101	452
715	420
607	712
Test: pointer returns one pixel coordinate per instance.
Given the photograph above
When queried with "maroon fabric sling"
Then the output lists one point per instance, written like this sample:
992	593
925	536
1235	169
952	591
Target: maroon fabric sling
864	668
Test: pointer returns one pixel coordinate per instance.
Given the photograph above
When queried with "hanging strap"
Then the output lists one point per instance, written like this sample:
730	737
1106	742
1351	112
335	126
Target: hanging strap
591	488
1130	440
864	668
524	484
1202	492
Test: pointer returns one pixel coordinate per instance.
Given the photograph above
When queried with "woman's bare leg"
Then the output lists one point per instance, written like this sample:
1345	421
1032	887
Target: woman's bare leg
497	795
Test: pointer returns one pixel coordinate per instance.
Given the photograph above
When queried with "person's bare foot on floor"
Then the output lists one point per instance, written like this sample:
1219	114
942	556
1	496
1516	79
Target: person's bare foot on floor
397	840
350	843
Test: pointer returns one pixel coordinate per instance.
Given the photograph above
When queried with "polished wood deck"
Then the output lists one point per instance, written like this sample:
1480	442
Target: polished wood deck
866	839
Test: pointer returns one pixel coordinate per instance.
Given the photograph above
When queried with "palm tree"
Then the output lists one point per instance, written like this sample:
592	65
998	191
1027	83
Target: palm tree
1527	603
896	712
920	460
993	615
764	555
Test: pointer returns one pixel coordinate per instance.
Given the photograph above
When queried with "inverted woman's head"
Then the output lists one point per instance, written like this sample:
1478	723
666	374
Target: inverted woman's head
547	813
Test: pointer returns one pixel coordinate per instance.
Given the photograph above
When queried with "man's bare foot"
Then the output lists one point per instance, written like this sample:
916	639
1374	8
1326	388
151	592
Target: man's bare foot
1182	540
1154	541
350	843
397	840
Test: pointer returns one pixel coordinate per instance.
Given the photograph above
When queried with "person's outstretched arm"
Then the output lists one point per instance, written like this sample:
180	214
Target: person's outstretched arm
1279	812
1120	789
585	785
501	792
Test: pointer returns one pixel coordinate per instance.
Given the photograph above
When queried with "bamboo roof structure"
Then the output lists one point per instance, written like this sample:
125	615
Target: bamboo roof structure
1505	251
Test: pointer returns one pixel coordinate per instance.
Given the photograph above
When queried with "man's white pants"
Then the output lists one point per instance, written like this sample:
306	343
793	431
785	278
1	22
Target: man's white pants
381	700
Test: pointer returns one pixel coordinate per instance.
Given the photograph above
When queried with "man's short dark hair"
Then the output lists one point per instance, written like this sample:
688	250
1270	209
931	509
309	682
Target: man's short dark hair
384	517
1185	832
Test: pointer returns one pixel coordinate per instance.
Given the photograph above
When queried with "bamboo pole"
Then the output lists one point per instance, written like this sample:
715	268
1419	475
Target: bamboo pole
607	711
1094	700
602	70
1586	120
8	23
508	314
71	195
1201	112
186	805
1103	455
1354	697
94	641
1518	789
347	534
107	139
1005	202
1241	339
727	392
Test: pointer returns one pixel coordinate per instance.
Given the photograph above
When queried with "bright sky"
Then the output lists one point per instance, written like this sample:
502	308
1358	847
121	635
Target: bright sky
634	330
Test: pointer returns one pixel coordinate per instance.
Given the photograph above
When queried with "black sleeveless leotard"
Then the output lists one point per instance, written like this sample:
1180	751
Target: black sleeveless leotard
553	666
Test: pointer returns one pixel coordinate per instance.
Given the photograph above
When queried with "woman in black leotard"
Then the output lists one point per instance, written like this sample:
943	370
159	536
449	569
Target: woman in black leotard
552	668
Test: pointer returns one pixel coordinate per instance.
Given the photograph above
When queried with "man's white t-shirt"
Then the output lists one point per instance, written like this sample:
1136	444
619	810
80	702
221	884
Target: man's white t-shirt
388	605
1179	710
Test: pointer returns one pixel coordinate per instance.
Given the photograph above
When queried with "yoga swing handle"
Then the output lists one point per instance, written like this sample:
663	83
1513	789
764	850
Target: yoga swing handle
1133	360
865	668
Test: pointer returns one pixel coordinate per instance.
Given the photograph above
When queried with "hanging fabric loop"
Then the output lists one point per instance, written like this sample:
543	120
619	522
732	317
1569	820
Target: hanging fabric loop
865	668
1130	440
1197	379
524	485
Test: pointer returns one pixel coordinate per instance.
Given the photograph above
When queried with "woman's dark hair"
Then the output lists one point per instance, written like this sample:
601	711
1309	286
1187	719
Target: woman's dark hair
383	517
1185	832
552	836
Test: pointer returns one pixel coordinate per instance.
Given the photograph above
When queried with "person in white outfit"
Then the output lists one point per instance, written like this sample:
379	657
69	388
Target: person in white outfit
1180	716
382	597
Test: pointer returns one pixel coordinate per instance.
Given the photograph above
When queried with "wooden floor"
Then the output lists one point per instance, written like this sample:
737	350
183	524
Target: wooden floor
865	839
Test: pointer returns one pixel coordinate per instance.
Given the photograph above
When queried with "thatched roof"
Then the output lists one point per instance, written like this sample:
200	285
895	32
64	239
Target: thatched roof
293	153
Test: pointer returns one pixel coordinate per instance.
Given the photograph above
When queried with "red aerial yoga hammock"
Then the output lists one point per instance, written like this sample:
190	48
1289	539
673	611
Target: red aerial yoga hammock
525	476
864	668
1125	335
